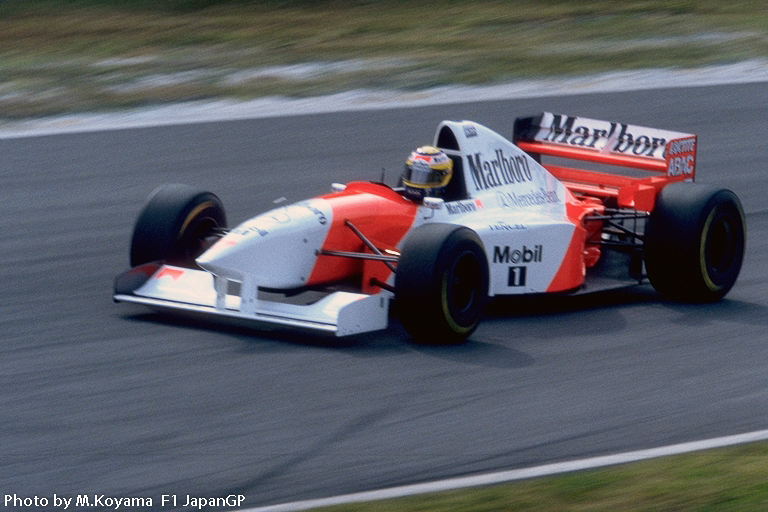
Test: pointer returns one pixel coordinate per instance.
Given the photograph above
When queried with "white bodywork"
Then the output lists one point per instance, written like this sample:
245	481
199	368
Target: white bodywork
515	205
194	291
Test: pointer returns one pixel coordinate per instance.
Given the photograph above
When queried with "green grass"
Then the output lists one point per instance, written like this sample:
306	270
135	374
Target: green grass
722	480
75	55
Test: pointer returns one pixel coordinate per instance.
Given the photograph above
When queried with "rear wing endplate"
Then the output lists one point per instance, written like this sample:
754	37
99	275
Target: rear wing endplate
671	155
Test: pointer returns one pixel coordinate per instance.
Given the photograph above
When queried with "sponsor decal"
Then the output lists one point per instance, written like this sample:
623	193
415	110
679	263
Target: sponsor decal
504	226
516	276
281	217
259	224
680	165
469	130
615	137
532	198
507	254
681	157
499	170
682	146
321	218
456	207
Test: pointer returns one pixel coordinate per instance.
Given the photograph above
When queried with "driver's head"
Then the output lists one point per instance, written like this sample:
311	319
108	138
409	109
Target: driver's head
427	169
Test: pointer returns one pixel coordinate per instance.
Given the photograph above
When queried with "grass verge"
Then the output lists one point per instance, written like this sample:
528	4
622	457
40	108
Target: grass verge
78	55
723	480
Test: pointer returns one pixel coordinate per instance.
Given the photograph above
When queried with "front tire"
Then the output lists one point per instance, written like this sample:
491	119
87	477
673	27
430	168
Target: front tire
694	242
441	283
174	225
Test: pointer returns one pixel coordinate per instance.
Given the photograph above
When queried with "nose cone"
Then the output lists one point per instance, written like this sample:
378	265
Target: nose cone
277	249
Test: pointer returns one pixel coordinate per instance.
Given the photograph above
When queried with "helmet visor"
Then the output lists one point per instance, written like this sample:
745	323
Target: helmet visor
419	174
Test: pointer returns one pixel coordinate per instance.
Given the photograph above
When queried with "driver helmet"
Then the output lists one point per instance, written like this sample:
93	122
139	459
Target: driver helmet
427	169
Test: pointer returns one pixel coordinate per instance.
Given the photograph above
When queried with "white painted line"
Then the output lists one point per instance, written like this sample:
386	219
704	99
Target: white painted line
751	71
517	474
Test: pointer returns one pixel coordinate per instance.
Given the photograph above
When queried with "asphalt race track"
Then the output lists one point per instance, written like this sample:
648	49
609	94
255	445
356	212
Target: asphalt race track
110	399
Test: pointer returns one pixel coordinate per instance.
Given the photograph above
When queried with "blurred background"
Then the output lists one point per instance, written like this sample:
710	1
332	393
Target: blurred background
61	56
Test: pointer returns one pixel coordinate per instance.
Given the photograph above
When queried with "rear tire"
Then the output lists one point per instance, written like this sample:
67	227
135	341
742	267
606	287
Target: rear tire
694	242
174	225
441	283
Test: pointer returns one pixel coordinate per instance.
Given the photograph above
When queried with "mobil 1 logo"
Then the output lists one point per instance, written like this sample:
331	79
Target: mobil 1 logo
517	274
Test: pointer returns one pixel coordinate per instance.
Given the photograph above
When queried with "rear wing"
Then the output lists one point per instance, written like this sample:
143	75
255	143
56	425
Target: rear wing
670	155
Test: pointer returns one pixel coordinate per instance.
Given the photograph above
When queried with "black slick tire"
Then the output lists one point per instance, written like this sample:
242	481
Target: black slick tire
441	283
174	225
694	242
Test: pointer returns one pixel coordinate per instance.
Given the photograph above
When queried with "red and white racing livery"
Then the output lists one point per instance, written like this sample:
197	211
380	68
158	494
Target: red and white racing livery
505	224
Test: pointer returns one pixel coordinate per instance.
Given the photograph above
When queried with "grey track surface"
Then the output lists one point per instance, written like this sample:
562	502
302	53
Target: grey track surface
111	399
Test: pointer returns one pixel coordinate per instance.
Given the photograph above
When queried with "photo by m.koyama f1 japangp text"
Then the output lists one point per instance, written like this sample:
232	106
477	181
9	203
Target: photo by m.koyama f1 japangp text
475	215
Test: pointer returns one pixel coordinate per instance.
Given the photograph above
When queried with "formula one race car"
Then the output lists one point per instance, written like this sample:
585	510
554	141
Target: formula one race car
498	222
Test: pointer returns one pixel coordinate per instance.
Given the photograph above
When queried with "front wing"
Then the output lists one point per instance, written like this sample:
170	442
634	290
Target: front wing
194	292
